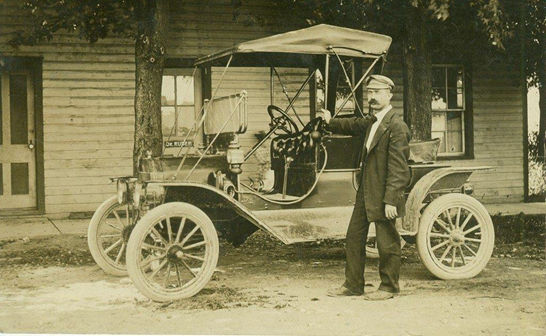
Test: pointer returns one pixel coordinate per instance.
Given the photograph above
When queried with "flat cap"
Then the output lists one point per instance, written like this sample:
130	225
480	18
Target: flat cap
379	82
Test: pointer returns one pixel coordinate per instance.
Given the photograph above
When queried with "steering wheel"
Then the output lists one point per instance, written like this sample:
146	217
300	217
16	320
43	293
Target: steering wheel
281	121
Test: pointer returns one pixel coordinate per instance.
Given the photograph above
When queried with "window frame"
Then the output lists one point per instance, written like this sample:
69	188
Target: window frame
183	69
342	84
467	130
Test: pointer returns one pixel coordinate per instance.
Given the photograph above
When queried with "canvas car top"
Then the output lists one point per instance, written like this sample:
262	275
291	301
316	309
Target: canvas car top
315	40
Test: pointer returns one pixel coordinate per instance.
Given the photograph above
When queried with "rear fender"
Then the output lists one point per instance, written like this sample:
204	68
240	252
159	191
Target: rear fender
436	180
230	217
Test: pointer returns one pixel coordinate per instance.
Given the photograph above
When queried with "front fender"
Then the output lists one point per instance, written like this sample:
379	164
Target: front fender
229	216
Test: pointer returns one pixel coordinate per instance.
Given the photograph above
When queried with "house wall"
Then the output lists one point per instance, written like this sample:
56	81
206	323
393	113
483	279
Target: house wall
498	133
497	129
88	113
88	94
257	83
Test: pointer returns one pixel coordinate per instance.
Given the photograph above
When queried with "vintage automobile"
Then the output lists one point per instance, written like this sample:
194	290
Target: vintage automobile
162	227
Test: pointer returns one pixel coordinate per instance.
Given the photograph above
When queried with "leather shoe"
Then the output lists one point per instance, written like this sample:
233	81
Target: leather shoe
379	295
342	291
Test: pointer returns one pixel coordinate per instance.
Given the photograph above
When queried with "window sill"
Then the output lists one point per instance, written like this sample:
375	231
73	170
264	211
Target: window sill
455	157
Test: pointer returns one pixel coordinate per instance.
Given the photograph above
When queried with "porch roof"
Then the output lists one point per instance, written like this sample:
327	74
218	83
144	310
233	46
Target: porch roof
316	40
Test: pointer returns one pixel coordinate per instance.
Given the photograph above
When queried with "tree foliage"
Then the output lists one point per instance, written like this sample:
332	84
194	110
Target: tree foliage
425	29
91	20
487	17
143	21
534	22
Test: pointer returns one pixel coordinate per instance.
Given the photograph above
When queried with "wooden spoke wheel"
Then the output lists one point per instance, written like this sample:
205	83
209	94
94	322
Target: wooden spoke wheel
108	234
456	237
172	252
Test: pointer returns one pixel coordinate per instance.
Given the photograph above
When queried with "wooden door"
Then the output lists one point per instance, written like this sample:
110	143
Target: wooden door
17	141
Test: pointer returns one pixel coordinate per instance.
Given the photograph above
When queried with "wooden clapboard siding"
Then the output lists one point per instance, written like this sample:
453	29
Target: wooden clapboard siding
88	116
88	92
257	83
498	129
198	28
498	134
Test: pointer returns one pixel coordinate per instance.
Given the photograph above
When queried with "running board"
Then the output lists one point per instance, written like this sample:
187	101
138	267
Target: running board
304	225
307	225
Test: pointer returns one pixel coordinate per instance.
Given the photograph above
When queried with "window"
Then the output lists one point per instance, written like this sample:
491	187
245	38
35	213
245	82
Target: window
178	110
448	109
343	90
343	150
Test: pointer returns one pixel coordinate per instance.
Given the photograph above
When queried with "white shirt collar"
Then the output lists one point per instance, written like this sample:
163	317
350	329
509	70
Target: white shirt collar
381	114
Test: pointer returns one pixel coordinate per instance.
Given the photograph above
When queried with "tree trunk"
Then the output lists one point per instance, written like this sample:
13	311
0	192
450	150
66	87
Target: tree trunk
541	76
149	62
542	118
418	74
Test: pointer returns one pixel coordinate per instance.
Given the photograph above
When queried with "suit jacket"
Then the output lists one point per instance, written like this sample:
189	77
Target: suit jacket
384	172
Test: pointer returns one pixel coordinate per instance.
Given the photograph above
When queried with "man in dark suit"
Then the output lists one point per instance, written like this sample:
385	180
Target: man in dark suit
384	174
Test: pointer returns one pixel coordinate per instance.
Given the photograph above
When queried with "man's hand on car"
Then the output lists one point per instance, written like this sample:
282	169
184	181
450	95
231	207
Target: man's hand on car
325	115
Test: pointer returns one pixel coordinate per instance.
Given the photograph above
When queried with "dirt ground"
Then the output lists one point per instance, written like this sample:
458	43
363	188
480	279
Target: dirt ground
264	287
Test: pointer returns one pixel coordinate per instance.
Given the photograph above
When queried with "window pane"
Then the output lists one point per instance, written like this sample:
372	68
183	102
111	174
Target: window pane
185	119
184	90
448	94
167	90
460	99
438	121
454	121
460	89
18	109
455	87
454	142
19	178
439	99
453	75
343	90
167	121
440	135
349	106
452	99
454	132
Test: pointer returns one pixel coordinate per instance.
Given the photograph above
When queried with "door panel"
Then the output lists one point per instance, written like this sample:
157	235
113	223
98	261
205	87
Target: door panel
18	109
17	141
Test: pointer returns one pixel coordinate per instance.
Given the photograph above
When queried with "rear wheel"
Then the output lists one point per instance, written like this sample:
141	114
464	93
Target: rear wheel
456	237
108	233
172	252
371	244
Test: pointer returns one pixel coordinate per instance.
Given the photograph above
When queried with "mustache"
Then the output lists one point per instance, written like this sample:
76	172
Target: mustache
372	101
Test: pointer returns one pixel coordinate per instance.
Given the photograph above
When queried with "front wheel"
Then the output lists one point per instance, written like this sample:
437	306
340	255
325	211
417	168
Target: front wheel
172	252
456	237
108	233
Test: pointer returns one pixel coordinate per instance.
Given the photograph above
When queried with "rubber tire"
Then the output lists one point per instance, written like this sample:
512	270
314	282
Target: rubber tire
373	253
197	216
94	247
488	236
